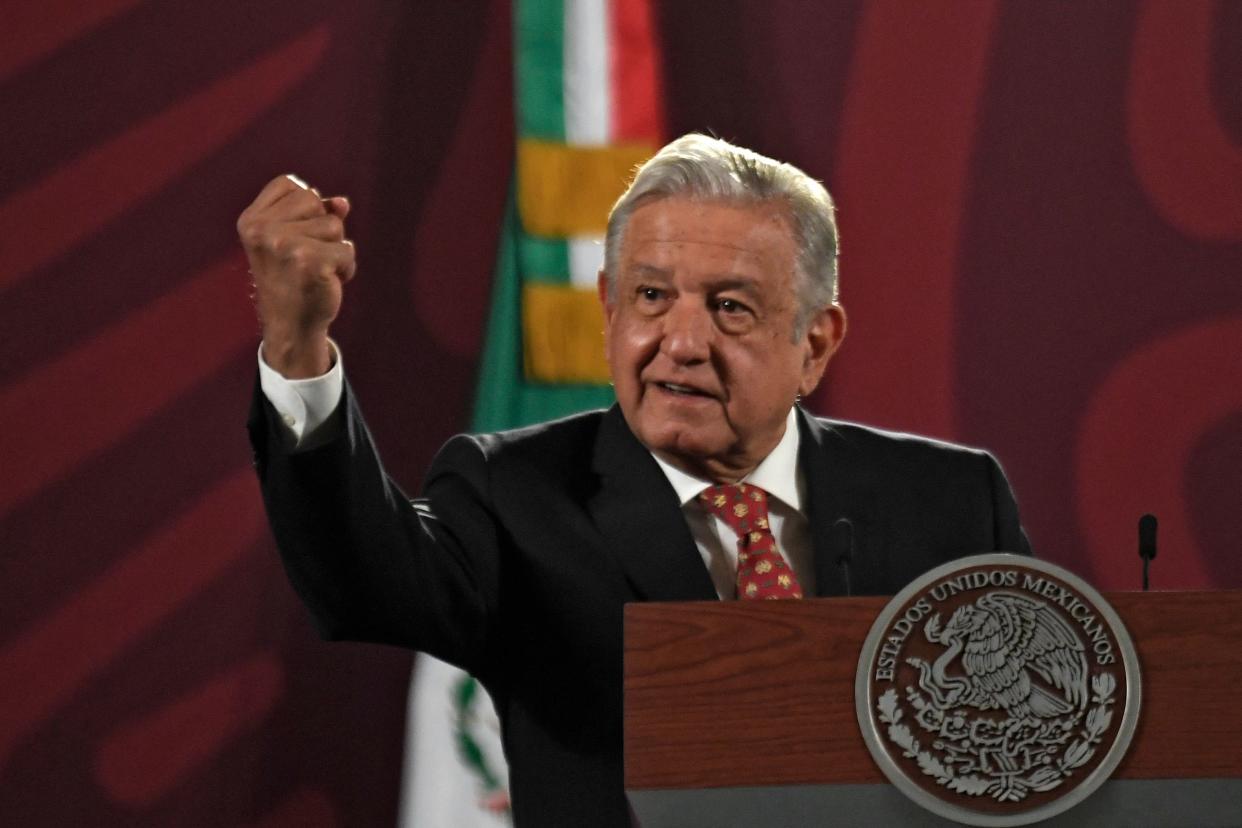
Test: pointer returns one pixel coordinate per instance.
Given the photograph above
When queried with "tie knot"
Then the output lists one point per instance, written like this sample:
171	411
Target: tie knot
742	506
761	570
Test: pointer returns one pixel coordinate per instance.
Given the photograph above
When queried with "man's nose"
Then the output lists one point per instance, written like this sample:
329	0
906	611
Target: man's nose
687	332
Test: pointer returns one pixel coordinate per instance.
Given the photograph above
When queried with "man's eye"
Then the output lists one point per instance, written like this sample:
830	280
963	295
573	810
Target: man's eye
731	306
650	294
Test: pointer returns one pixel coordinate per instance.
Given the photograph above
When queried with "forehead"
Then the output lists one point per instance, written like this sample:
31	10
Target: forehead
697	235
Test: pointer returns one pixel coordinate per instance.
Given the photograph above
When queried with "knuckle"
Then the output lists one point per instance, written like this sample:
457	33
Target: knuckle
299	256
252	234
278	245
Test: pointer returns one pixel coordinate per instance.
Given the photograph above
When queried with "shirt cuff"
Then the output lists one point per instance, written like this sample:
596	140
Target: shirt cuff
303	404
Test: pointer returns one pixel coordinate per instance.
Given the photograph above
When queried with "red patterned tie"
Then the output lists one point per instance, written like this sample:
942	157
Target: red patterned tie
761	571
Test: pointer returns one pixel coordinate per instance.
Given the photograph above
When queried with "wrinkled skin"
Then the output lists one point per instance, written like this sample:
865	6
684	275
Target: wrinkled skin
699	332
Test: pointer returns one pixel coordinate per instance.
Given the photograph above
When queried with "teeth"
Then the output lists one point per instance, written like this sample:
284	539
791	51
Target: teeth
680	389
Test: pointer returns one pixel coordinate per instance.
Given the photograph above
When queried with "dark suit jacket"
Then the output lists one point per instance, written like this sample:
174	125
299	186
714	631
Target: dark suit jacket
517	560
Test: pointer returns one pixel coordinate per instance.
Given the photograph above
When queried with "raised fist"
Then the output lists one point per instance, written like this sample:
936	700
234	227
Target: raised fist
300	260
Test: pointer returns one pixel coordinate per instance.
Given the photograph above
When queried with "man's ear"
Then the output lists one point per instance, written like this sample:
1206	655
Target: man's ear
606	305
605	302
823	337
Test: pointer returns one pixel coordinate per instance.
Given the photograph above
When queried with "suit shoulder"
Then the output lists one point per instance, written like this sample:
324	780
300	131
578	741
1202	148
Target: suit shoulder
556	436
931	488
556	443
896	444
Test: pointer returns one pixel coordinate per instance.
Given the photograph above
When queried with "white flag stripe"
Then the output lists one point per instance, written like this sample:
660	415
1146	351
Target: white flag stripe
587	90
436	788
586	257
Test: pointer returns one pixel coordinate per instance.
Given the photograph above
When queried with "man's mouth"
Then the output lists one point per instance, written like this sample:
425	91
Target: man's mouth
682	390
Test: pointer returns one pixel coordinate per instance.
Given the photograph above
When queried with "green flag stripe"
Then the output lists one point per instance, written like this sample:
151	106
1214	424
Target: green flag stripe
504	398
501	366
539	33
543	260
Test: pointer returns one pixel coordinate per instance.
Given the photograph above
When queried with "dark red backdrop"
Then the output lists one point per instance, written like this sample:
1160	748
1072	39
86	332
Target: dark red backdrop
1042	223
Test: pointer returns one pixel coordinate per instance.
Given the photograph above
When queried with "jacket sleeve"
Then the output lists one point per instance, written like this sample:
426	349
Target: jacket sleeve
369	563
1007	527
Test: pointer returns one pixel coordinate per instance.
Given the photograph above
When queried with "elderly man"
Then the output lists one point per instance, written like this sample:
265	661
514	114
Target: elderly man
706	480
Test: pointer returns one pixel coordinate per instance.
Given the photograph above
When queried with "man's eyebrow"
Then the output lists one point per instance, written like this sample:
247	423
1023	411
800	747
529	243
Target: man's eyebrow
649	270
721	282
732	281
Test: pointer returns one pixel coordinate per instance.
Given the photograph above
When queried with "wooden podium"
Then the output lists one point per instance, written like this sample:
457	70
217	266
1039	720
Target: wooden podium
742	713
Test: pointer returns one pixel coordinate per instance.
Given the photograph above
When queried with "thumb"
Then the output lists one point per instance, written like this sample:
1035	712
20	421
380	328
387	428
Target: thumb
337	206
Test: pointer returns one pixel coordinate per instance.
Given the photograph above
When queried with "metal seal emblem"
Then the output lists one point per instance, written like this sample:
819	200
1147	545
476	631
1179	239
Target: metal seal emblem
998	690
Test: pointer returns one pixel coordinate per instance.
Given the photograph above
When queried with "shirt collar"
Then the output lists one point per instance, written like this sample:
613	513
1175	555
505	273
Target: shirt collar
777	474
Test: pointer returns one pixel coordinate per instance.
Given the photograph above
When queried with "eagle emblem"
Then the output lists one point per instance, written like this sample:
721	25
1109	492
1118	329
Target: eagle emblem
997	690
1013	653
1012	656
1006	701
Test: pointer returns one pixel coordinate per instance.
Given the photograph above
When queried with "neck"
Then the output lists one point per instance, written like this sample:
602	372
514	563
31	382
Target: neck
729	468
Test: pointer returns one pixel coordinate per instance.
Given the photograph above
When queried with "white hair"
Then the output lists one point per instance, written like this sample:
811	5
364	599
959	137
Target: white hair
701	167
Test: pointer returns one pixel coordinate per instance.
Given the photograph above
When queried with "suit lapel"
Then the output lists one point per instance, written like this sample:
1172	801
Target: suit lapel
636	510
838	483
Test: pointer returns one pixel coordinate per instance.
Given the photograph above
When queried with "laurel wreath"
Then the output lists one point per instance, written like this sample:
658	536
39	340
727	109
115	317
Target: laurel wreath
1046	778
466	694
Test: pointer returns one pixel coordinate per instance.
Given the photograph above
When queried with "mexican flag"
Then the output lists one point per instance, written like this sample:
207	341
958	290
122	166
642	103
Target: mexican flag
589	111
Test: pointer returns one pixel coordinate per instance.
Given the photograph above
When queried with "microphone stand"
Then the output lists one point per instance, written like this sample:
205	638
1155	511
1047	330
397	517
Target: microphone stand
1147	544
843	544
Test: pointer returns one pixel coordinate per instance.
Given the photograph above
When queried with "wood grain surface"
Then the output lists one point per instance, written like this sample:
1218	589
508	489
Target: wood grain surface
722	694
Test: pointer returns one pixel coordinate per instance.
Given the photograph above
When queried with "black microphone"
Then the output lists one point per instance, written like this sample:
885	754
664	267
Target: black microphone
1147	543
843	546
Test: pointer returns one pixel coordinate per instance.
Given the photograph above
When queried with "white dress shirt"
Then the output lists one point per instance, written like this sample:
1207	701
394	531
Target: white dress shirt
305	406
778	475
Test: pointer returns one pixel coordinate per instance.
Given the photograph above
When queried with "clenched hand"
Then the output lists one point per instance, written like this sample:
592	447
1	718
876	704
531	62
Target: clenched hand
300	261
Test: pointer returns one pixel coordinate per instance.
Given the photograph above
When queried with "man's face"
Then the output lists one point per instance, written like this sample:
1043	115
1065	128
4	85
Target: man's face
700	332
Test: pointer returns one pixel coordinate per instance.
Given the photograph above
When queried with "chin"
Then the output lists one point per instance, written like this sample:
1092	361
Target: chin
691	444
